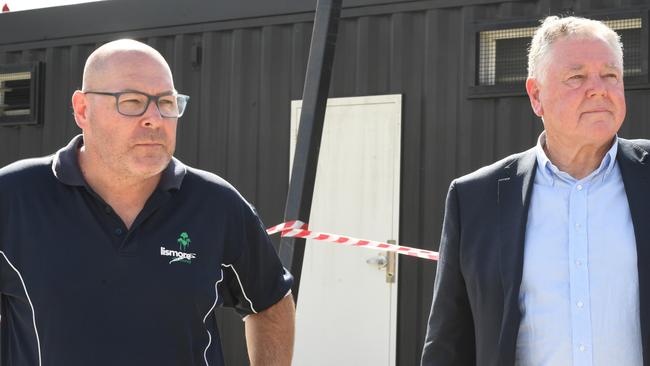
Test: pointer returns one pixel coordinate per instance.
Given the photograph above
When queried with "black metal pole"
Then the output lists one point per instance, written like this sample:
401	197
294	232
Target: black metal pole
314	102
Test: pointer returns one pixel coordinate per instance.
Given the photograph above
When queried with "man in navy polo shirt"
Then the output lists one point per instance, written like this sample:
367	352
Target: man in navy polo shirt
112	252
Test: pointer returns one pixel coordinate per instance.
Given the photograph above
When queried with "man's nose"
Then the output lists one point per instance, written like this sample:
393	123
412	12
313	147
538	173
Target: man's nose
152	116
596	85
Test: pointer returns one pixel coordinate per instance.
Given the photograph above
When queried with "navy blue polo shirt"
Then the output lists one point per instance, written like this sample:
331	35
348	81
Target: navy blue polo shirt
80	289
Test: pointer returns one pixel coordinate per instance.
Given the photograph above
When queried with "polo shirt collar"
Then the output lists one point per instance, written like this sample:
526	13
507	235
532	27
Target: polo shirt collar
172	176
65	166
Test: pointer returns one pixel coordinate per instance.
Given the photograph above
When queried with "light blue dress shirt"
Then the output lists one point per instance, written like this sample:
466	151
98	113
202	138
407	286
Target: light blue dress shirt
579	295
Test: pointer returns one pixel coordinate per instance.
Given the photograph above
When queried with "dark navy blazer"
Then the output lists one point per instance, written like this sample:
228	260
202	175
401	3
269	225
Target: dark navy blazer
475	312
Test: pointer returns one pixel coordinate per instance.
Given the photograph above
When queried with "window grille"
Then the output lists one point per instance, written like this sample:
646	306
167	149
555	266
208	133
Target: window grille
19	94
503	53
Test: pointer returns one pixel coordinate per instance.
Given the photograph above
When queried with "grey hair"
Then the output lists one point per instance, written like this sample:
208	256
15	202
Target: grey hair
554	28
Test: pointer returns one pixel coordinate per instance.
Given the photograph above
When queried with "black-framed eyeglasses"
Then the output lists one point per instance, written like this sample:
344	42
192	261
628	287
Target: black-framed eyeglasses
135	104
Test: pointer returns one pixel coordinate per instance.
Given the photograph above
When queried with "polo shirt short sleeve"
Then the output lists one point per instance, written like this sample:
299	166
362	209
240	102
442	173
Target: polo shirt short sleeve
80	288
243	288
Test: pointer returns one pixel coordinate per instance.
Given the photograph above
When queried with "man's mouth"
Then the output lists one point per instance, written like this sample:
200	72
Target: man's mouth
597	111
147	144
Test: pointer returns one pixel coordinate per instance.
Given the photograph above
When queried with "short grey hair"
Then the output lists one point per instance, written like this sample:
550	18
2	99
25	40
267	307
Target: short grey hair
554	28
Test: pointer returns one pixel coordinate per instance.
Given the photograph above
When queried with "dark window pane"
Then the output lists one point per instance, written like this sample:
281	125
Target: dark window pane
16	95
631	39
18	99
512	60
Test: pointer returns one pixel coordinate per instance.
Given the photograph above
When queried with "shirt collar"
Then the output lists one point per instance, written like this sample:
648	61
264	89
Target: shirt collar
65	166
548	172
172	176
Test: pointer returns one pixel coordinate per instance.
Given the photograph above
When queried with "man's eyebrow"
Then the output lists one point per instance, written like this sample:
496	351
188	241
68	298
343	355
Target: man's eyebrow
166	92
576	67
613	67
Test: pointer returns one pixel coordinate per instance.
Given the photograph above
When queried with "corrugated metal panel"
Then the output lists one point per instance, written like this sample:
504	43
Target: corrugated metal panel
92	19
237	123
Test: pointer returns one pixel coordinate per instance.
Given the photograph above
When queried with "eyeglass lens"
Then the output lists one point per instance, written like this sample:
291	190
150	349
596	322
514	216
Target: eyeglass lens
133	104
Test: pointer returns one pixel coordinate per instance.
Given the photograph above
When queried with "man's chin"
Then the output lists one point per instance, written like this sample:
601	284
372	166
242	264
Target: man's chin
148	167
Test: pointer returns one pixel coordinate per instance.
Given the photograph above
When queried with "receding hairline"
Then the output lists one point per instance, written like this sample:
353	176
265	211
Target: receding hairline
103	57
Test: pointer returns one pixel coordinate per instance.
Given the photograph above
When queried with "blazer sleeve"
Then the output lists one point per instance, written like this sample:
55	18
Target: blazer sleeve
450	332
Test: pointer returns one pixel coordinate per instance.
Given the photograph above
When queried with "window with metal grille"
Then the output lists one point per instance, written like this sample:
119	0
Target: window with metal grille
503	53
19	94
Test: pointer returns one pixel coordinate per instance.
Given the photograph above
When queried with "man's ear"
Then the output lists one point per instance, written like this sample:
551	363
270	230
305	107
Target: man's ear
533	90
80	108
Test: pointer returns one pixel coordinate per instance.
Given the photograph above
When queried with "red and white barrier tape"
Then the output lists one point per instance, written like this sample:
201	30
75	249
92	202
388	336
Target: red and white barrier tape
298	229
285	226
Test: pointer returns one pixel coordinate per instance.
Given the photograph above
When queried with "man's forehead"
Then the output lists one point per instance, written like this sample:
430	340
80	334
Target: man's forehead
128	59
605	65
578	53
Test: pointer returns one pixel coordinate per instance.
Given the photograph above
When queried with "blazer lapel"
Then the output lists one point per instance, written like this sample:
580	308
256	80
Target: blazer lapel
513	199
635	170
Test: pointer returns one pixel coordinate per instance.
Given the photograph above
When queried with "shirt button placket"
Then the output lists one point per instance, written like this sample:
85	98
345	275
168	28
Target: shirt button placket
579	275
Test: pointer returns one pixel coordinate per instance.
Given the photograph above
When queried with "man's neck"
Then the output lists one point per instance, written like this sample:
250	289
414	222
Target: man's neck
576	160
127	195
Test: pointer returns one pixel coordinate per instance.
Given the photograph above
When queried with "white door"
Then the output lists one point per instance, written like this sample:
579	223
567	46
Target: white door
347	310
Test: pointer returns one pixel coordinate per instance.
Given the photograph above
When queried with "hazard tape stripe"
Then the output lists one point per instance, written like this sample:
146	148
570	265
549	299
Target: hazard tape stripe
295	224
298	229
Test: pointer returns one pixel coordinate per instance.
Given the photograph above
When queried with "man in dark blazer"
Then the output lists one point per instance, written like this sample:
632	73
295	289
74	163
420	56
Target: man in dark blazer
539	251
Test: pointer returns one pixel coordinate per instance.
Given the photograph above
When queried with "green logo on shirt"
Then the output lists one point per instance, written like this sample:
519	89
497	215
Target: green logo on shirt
181	255
184	241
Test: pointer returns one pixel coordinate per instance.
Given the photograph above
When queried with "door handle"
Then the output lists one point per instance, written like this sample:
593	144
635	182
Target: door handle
379	260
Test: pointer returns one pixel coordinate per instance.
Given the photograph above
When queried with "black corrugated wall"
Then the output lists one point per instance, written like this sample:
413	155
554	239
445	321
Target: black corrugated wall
249	69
